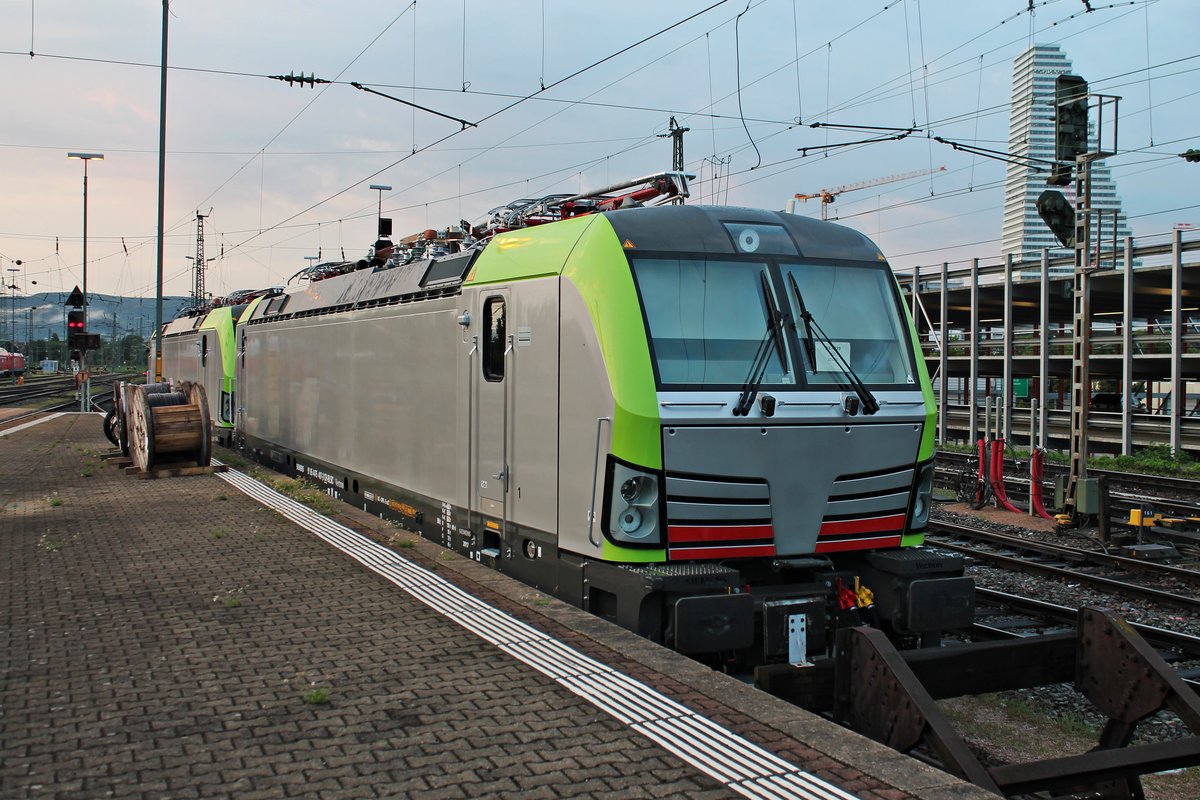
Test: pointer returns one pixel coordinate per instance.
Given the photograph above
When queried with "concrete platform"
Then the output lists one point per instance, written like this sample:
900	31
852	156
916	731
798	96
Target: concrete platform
171	638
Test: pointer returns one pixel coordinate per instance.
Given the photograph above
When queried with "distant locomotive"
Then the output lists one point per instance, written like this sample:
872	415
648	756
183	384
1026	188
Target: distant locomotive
198	346
12	365
707	424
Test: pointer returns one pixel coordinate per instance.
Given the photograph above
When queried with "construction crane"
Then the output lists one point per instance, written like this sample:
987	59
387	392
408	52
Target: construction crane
827	196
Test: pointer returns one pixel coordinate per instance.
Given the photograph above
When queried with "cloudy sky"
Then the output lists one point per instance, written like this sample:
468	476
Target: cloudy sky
282	173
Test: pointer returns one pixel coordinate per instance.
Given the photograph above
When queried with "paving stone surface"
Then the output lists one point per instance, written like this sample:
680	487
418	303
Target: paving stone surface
160	638
165	638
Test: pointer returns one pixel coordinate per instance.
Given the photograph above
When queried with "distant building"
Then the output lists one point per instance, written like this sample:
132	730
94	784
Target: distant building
1031	134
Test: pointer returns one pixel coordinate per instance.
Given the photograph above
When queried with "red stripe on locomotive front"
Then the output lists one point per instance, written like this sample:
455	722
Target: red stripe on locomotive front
843	545
718	533
890	524
736	551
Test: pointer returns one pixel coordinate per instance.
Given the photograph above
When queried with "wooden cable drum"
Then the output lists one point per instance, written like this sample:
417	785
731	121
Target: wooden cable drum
168	422
122	392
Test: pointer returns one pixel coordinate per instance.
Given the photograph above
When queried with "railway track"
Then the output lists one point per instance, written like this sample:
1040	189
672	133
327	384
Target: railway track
44	388
1146	581
1005	615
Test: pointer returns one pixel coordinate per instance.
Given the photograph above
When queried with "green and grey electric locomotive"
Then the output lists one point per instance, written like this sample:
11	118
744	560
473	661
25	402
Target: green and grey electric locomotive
705	423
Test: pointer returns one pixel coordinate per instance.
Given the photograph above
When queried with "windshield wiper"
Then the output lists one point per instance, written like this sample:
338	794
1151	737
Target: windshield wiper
810	346
772	340
869	404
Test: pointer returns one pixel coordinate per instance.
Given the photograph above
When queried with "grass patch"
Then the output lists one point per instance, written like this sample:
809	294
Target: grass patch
1153	460
402	541
1156	460
221	498
298	489
217	533
233	459
1008	724
316	697
53	547
230	599
304	492
55	501
86	472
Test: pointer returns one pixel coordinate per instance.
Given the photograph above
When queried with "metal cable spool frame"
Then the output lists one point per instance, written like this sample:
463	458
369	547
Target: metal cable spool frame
116	423
164	420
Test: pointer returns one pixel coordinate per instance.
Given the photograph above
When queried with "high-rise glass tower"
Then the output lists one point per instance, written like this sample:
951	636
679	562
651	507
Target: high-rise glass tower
1031	134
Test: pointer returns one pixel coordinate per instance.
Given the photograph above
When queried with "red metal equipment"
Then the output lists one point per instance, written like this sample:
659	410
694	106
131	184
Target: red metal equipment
998	490
1037	460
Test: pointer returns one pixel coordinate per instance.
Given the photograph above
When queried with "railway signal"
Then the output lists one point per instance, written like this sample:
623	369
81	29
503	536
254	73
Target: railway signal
1058	215
76	329
77	336
1070	117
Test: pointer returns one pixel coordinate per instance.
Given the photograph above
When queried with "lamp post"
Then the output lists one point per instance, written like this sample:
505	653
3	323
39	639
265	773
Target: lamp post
379	208
12	335
13	310
85	399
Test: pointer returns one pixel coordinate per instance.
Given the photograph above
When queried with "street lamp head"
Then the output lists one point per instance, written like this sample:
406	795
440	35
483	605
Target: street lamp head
381	187
86	156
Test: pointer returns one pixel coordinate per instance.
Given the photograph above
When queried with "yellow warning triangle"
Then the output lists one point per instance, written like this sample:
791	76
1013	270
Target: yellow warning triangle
628	245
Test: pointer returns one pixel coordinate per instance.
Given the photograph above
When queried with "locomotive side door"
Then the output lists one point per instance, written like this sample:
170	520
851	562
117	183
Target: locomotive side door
492	382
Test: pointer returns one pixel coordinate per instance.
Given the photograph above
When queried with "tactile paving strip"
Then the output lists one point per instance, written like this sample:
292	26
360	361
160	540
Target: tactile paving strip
741	765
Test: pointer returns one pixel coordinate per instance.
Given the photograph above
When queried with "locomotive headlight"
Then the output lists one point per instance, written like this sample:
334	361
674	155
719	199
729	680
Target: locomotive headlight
748	240
631	516
631	520
922	498
633	488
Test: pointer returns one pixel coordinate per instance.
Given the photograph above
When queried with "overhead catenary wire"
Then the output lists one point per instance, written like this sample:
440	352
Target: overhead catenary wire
496	113
737	39
966	115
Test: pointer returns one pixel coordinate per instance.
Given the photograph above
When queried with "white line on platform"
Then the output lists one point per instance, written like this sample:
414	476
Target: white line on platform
737	763
39	421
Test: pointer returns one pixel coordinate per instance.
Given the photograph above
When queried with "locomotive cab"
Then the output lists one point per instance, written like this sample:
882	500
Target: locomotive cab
795	438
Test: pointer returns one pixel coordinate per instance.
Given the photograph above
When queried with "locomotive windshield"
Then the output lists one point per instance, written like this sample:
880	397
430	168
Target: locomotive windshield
856	309
708	318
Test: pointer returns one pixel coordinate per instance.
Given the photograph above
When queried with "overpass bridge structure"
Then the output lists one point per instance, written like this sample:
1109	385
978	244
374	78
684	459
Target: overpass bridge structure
1003	329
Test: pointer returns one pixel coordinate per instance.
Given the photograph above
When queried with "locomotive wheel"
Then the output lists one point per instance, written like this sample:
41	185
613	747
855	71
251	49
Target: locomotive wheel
110	427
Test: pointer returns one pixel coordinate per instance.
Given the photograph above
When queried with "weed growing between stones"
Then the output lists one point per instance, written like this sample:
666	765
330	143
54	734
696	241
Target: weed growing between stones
230	599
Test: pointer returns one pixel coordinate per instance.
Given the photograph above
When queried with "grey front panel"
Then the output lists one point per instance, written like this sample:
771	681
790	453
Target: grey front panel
181	357
801	465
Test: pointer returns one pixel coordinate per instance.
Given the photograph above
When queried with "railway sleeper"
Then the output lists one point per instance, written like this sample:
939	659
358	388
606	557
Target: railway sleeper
889	695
